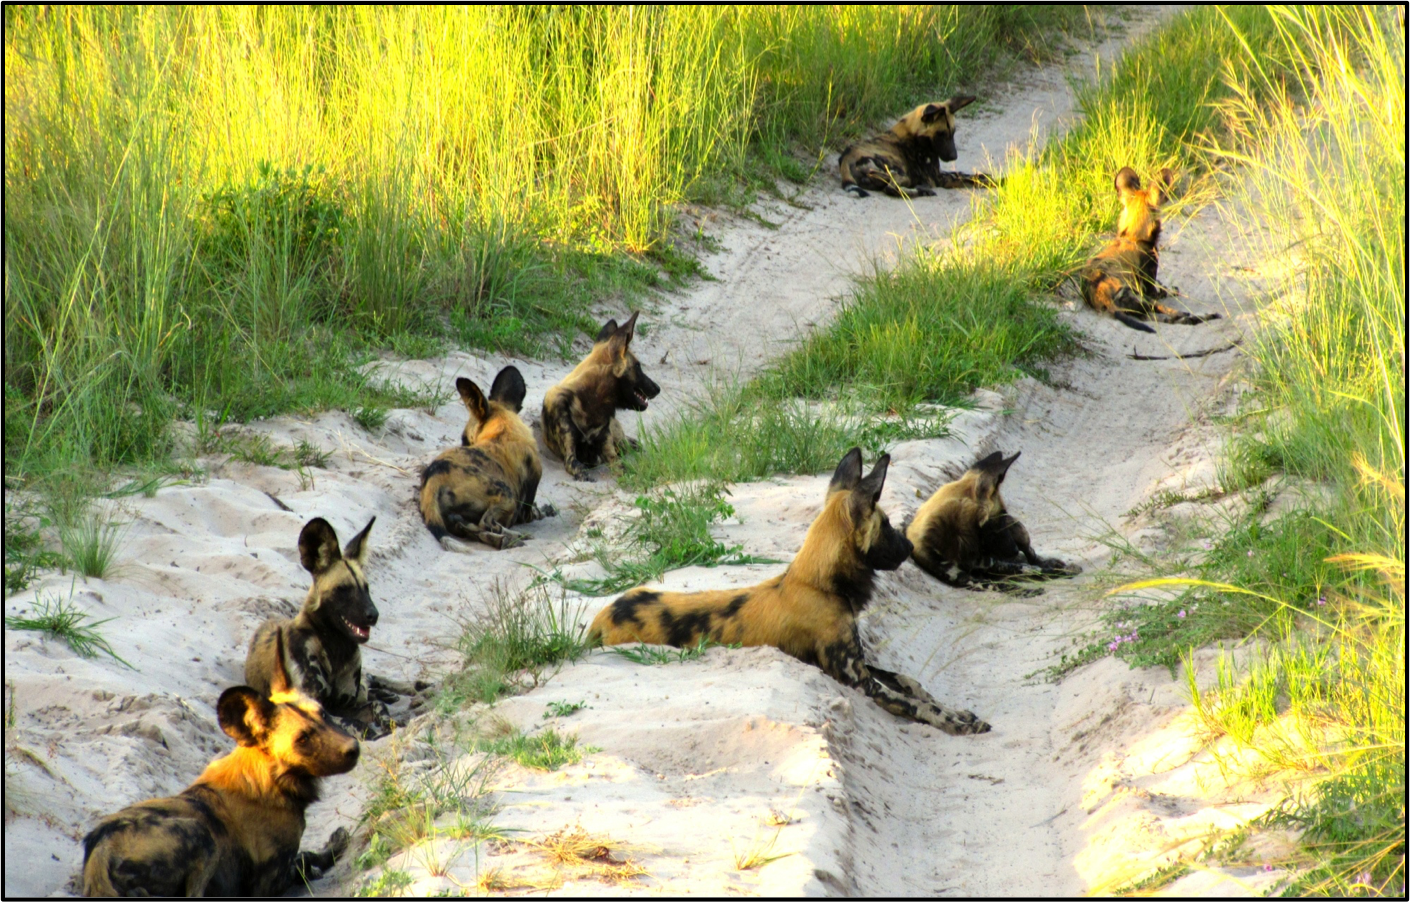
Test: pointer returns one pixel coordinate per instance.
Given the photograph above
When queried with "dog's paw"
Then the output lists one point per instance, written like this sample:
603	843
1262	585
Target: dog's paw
546	510
338	842
857	191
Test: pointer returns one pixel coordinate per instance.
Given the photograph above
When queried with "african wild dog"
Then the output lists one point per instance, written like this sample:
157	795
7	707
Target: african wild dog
236	830
1120	279
810	611
963	536
579	413
905	161
320	648
488	484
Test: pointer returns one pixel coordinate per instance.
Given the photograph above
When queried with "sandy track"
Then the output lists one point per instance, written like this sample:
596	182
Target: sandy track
692	755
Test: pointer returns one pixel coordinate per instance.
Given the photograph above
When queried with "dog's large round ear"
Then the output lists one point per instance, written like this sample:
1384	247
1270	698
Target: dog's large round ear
848	472
932	112
356	549
509	388
473	398
1127	180
960	102
1005	463
318	546
623	335
608	329
243	715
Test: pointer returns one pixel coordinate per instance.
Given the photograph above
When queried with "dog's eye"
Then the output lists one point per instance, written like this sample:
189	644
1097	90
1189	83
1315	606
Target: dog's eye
305	739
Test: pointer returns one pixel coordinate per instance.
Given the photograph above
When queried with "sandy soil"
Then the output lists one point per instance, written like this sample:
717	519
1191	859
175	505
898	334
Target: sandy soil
1080	785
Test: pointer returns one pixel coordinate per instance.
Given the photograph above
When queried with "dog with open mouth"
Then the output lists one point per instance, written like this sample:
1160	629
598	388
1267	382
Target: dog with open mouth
579	414
322	646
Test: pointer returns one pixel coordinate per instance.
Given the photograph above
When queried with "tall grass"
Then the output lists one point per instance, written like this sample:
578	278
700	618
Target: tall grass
1326	168
219	213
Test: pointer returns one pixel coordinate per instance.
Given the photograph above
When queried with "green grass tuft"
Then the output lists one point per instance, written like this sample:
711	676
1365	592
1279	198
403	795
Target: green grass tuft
675	526
63	619
544	750
656	654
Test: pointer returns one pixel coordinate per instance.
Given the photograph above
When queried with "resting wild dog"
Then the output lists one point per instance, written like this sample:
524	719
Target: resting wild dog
810	611
579	413
905	161
319	649
236	830
1120	279
964	537
488	484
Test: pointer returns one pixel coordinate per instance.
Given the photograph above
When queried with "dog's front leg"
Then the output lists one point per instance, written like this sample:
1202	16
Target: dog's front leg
901	696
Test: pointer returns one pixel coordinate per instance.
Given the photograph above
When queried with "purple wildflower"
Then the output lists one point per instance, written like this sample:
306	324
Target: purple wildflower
1321	600
1250	552
1181	615
1112	646
1267	867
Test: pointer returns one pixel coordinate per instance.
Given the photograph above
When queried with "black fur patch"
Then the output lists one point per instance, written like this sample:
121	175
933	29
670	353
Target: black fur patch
681	631
855	588
625	608
435	468
734	605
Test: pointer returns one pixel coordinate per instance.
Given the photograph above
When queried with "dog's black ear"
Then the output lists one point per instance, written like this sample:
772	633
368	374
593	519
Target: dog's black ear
243	715
608	329
623	336
1004	465
318	546
848	472
509	389
870	488
474	399
989	461
1161	185
356	549
932	112
1127	181
958	103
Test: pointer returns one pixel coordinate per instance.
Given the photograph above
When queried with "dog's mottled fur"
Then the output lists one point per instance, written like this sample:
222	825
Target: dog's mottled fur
965	537
487	485
236	830
1120	280
322	645
579	414
905	161
810	611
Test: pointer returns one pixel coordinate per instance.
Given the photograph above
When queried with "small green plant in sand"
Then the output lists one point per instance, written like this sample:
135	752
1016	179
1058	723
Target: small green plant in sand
563	709
661	654
545	750
387	883
25	554
675	524
64	619
515	634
